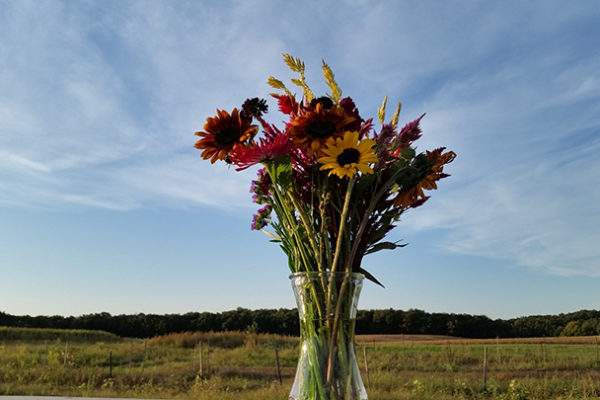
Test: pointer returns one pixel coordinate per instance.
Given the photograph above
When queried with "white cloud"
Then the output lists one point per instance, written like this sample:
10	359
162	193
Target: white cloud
116	93
99	102
522	188
187	181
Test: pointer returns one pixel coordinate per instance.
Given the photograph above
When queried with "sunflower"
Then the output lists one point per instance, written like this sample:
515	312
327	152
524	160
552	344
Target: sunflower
312	129
222	133
345	156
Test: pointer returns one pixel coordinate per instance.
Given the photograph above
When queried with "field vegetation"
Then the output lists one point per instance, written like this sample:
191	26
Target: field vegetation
243	365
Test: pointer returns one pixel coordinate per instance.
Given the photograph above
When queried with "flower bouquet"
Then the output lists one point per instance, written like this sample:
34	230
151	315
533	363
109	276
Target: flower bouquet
331	187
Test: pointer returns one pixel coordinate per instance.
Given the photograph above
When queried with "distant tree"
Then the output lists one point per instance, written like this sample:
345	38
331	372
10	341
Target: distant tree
439	324
364	322
573	328
414	321
287	321
207	322
237	320
590	327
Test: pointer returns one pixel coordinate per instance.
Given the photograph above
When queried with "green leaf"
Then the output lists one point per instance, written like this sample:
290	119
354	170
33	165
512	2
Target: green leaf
365	182
370	277
280	171
385	246
408	153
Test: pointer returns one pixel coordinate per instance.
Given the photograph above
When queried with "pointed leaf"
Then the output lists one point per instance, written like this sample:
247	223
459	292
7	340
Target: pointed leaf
384	246
369	276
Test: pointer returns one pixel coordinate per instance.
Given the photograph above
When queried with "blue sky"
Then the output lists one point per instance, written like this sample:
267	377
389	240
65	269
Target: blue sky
106	206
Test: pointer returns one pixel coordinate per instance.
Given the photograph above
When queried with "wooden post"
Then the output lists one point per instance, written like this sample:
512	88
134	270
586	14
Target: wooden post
207	358
484	368
110	364
129	365
46	352
145	354
66	351
200	371
366	367
597	352
278	366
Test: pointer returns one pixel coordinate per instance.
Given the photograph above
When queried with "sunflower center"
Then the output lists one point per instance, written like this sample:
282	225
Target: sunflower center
320	129
227	136
348	156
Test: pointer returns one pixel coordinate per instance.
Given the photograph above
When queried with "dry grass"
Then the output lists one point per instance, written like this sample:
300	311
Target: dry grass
243	366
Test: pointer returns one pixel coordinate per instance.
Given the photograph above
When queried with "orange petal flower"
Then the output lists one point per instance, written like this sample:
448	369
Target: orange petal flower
415	196
312	129
222	133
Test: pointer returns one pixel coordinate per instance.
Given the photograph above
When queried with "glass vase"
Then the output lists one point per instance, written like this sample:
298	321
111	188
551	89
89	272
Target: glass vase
327	367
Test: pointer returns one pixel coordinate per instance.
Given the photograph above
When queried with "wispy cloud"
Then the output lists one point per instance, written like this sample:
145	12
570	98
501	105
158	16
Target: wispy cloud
99	102
186	181
527	133
114	98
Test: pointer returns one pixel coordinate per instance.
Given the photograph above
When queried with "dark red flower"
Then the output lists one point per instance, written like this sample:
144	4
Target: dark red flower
350	108
254	108
325	101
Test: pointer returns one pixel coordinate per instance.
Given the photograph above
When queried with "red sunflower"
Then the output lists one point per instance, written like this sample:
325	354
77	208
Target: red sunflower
222	133
311	130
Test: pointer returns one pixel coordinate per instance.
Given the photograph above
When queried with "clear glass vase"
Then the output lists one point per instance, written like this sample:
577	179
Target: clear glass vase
327	367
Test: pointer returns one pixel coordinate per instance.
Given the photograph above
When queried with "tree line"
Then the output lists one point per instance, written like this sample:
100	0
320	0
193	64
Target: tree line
285	321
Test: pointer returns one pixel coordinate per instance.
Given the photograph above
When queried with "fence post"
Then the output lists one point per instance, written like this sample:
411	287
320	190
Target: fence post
129	365
366	367
110	365
484	368
66	351
207	357
278	366
200	370
145	354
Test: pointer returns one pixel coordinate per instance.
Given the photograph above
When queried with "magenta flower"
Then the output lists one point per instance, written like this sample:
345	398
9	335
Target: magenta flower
247	156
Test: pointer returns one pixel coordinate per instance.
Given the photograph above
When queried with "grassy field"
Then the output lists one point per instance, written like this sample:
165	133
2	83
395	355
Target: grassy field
222	366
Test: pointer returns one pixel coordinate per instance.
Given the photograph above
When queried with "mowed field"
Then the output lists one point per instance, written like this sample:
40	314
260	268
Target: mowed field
222	366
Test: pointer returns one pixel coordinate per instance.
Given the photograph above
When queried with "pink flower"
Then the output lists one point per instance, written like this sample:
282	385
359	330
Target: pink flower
261	218
410	132
247	156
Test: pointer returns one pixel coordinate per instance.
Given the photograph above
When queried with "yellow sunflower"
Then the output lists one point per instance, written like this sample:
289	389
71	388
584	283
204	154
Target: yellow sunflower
222	133
345	156
312	129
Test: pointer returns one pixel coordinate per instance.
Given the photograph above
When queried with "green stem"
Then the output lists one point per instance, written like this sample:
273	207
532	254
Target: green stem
338	244
367	213
336	323
324	242
289	221
310	232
